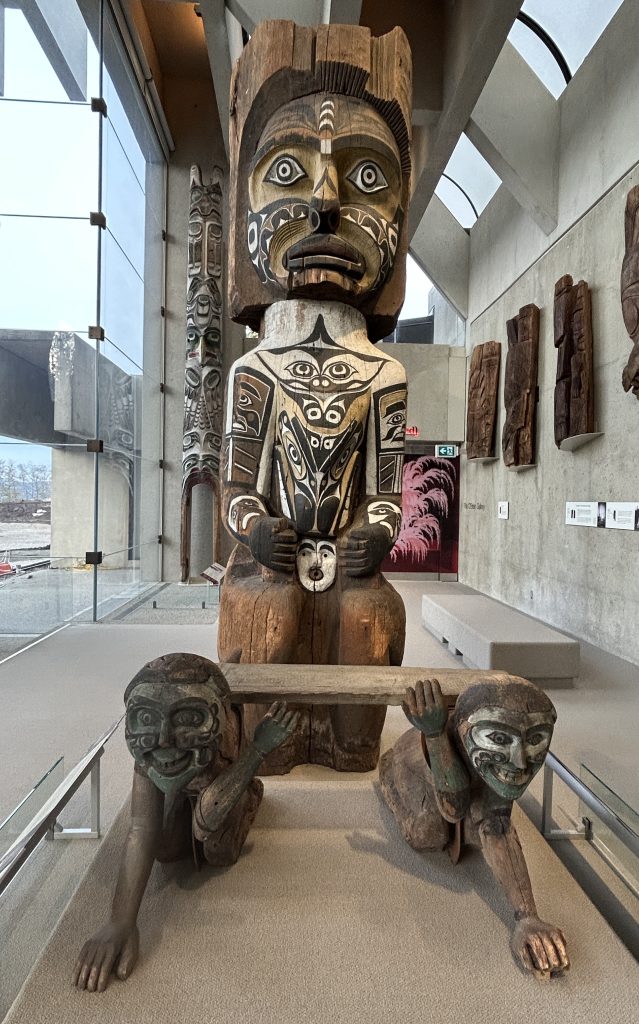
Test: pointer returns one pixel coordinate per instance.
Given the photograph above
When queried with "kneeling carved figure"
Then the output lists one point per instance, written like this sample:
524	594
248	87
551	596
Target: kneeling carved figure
194	791
453	780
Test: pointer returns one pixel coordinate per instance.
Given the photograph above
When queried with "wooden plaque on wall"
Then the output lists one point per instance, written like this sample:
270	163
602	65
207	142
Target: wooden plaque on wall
520	387
574	390
483	383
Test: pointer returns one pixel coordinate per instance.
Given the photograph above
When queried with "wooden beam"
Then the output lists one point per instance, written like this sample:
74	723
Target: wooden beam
343	684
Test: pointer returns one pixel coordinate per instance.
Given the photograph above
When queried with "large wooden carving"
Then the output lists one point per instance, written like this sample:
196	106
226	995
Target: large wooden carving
483	383
574	390
520	388
194	792
203	372
451	782
315	415
630	291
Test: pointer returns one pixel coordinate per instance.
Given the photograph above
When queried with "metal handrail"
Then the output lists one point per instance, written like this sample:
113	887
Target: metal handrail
44	822
619	828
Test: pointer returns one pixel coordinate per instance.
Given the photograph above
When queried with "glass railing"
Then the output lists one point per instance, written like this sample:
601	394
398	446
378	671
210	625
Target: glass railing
15	824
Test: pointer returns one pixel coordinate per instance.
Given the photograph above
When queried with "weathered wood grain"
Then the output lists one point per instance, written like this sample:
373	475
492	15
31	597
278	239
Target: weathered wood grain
630	290
520	388
483	383
345	684
574	390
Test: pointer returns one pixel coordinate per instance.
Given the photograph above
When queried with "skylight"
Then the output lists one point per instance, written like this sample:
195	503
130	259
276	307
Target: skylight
467	172
418	286
574	27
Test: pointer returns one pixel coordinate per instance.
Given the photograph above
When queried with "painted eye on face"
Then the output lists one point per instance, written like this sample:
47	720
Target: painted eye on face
188	717
536	738
145	718
339	371
302	370
502	739
284	171
368	177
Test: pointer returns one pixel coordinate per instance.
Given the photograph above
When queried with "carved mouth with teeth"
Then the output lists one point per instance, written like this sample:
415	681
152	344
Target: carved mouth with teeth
325	252
511	776
170	761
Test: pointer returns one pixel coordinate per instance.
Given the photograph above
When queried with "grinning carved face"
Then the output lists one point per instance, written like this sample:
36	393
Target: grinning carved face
316	564
507	748
325	199
172	731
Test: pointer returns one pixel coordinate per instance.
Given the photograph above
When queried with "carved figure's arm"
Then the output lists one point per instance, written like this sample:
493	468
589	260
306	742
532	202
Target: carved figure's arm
536	946
247	461
425	708
217	801
377	520
115	946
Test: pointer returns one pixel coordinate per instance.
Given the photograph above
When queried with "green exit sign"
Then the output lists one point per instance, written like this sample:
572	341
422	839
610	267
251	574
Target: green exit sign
445	451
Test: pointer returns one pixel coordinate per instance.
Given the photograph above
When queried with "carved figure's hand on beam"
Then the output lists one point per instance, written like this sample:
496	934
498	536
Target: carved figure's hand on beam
114	949
425	708
539	947
362	549
273	543
277	725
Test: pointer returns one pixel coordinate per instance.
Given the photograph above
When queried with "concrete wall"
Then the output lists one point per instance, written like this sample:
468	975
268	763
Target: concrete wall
72	489
578	579
192	115
436	375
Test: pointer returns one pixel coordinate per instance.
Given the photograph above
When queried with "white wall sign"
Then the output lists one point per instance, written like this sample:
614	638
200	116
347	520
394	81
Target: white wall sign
502	510
622	515
585	513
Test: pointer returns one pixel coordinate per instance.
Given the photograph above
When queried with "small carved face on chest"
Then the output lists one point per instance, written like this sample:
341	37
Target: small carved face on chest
173	730
507	748
325	199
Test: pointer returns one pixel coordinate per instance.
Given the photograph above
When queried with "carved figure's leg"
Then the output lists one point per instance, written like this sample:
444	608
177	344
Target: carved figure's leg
223	847
408	790
372	632
176	841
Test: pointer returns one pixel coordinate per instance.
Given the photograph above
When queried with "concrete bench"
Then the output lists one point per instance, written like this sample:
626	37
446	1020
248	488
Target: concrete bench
491	636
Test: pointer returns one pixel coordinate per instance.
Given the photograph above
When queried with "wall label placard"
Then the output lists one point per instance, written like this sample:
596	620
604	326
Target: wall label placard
502	509
610	515
473	506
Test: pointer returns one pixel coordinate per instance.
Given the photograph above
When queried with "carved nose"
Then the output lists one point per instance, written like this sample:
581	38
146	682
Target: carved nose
518	755
324	216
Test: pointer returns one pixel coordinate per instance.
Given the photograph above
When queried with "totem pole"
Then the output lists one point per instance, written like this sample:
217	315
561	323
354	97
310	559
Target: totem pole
315	415
630	290
451	782
203	372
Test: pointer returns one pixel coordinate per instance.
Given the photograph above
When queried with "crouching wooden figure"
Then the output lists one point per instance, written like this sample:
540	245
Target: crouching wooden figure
451	781
194	791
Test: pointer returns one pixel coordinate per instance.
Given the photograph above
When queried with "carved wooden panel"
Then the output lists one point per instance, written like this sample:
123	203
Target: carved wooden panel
574	390
520	387
483	384
630	291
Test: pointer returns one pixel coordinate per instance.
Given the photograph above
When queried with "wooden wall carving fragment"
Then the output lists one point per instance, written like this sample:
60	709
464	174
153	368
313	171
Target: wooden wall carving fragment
574	390
630	290
203	386
483	384
520	388
451	781
315	414
194	792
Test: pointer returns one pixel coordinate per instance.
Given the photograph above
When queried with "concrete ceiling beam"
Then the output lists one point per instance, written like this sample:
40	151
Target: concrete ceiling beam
515	126
475	33
217	43
61	32
441	247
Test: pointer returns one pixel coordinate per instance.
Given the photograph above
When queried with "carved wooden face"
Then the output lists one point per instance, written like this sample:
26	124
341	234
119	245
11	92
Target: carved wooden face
172	731
325	199
506	747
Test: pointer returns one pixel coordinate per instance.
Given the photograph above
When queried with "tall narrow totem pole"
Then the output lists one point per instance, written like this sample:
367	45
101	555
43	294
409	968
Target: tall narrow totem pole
203	371
315	415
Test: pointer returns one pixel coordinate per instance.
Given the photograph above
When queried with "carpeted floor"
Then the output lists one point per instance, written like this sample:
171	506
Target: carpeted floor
329	918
